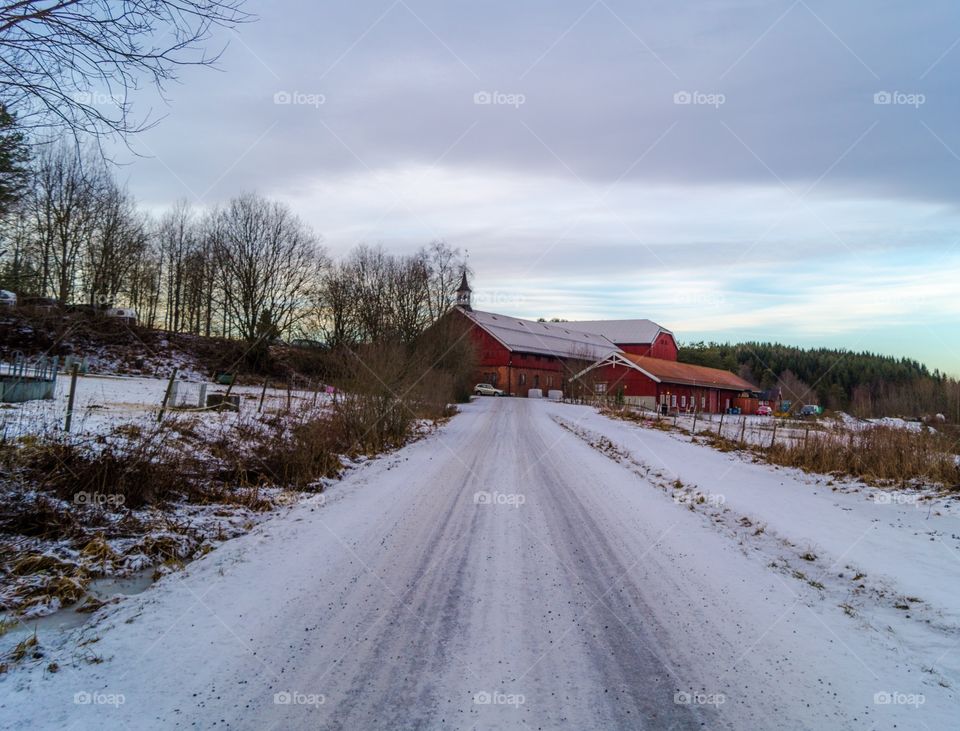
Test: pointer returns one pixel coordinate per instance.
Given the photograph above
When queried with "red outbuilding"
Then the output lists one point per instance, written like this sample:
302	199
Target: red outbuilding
655	383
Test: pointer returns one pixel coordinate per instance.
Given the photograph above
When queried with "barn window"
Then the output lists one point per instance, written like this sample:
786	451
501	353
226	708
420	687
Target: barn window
673	400
703	402
523	378
600	387
683	401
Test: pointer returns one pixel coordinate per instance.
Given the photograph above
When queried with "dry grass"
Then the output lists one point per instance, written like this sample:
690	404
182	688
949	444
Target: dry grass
878	455
384	394
142	468
882	455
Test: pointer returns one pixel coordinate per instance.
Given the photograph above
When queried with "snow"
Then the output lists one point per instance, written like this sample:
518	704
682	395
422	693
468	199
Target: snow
610	596
103	402
112	412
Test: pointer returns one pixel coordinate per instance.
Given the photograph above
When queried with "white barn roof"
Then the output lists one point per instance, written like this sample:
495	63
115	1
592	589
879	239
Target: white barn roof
621	332
543	338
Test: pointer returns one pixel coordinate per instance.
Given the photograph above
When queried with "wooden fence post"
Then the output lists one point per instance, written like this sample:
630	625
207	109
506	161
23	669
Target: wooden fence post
743	430
166	395
74	370
263	393
233	379
773	439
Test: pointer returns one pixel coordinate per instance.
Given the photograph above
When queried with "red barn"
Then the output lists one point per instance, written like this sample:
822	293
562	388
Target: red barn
517	355
634	359
640	337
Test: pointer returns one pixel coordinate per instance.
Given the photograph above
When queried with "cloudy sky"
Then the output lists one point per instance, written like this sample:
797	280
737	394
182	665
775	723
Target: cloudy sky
753	169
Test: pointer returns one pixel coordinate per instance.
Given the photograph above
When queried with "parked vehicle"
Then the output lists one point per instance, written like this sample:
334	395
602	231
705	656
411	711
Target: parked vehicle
485	389
764	410
8	298
126	314
308	344
39	303
811	410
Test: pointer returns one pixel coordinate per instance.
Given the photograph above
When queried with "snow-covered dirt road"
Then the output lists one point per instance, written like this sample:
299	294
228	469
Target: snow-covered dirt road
503	573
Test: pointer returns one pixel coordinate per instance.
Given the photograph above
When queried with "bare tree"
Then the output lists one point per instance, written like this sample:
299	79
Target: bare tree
119	239
446	264
408	293
144	285
57	57
66	203
176	238
368	272
199	281
335	310
269	265
795	389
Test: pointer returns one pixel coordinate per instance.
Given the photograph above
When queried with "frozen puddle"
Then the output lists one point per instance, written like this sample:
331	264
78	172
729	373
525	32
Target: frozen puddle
68	618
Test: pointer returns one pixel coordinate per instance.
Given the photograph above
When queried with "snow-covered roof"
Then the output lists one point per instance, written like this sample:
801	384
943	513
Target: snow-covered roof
543	338
621	332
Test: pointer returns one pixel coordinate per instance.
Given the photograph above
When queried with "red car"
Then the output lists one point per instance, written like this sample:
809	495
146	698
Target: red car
764	410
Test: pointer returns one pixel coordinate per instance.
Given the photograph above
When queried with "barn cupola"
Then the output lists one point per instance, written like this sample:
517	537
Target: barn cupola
464	292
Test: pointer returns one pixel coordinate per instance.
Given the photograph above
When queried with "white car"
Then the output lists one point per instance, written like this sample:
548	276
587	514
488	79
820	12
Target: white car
8	298
485	389
125	314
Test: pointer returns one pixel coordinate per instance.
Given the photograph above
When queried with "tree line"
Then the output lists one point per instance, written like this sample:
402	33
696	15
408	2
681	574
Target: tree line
865	384
247	269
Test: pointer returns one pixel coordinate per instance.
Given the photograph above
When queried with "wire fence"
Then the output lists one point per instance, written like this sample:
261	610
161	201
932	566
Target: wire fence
24	379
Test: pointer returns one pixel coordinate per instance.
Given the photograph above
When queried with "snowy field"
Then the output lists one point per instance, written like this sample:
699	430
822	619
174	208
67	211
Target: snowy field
92	540
537	565
103	402
762	430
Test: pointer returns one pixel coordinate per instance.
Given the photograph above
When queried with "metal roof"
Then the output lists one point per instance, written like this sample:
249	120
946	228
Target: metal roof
621	332
543	338
671	371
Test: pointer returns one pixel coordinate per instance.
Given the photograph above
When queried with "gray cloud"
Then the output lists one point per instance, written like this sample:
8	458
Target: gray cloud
586	164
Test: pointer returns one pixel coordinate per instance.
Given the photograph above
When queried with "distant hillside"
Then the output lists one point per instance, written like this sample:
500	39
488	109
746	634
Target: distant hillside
112	347
865	384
